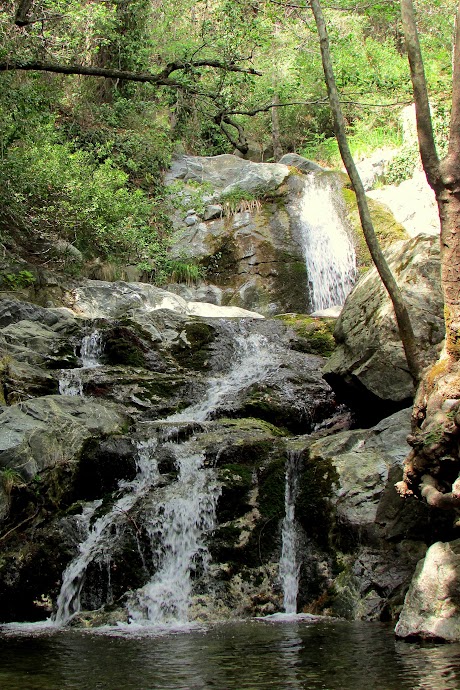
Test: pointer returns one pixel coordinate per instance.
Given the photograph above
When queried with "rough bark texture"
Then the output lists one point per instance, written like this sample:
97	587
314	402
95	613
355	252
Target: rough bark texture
402	316
433	466
21	17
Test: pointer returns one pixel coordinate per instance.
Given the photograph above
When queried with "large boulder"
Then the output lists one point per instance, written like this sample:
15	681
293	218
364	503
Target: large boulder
227	173
364	541
239	221
369	367
49	432
432	605
102	299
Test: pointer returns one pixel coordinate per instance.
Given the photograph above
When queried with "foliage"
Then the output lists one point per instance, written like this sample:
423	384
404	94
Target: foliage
238	200
16	281
82	159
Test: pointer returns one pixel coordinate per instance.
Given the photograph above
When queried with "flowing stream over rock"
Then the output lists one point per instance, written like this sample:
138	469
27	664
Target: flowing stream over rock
181	514
289	565
91	348
99	534
328	249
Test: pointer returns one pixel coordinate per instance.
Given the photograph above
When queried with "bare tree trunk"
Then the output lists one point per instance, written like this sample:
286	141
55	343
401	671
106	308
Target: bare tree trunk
277	148
436	415
21	17
402	317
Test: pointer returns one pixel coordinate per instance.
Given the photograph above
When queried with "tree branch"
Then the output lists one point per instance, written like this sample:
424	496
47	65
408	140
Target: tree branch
430	492
402	317
427	145
161	78
450	166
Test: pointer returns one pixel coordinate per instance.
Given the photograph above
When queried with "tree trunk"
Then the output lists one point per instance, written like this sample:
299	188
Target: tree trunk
402	317
277	148
436	415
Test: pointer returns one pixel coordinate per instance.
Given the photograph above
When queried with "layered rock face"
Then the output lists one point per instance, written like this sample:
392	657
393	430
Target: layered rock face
241	221
105	405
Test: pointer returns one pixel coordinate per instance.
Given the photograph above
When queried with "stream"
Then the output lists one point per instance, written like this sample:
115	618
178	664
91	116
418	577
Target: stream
234	656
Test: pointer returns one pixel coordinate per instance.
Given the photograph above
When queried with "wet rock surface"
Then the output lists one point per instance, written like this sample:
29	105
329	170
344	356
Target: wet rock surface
368	367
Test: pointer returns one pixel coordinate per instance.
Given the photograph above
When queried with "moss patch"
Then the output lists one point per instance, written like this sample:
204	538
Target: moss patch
192	350
122	346
314	510
386	227
316	334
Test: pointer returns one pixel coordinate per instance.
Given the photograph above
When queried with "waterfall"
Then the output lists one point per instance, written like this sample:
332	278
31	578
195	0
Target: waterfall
329	253
255	358
179	515
98	541
91	348
289	566
179	529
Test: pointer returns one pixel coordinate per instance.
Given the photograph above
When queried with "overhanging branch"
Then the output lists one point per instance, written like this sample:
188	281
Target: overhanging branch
161	78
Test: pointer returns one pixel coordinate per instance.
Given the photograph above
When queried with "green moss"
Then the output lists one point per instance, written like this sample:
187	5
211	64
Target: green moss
314	510
386	227
271	490
122	346
235	475
316	333
254	424
192	351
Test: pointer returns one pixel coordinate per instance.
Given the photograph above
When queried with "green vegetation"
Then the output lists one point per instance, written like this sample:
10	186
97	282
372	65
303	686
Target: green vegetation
16	281
316	334
81	158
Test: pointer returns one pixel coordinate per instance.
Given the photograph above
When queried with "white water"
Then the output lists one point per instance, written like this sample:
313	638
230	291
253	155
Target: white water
70	380
256	358
179	529
181	514
329	252
289	565
98	541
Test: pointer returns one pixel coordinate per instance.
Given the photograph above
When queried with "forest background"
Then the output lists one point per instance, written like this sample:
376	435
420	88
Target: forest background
82	157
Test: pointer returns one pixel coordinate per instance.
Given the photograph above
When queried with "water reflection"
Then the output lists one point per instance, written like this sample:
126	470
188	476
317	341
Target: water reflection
246	656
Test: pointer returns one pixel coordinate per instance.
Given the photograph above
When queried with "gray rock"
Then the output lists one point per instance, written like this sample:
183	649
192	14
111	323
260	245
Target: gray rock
227	173
369	362
299	162
101	299
191	220
362	460
50	431
213	211
432	604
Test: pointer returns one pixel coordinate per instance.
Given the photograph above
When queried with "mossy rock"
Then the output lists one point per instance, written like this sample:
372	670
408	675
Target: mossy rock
236	482
386	227
193	349
122	346
315	334
314	509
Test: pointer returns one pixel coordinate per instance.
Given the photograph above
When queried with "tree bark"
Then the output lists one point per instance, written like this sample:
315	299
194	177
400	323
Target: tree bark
21	17
402	317
436	415
277	148
161	78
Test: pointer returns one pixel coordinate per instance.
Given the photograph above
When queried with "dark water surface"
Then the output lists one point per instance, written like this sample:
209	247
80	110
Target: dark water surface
236	656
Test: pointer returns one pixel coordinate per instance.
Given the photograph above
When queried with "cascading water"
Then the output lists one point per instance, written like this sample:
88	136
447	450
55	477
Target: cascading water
91	348
329	253
255	358
179	530
181	513
289	565
97	544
